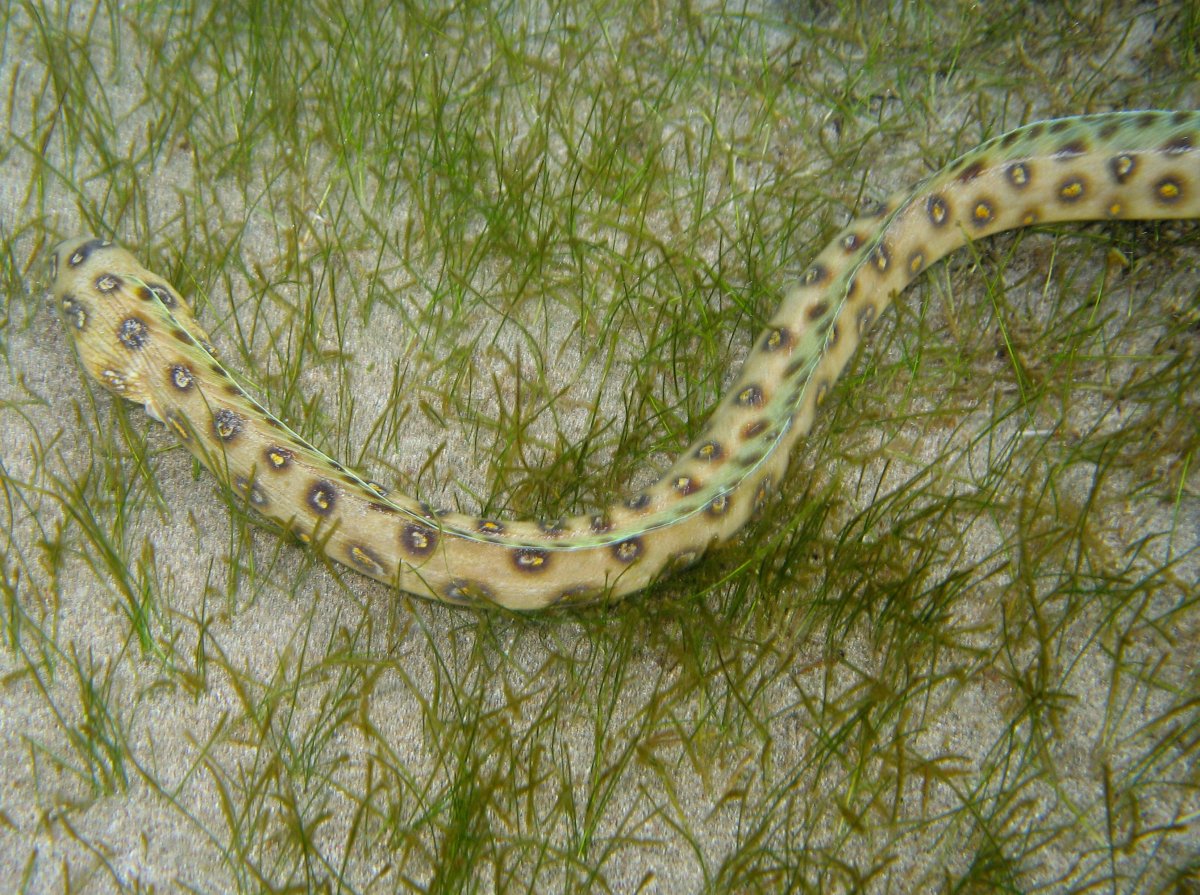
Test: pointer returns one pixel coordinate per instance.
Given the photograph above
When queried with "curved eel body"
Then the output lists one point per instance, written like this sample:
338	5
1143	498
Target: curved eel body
137	336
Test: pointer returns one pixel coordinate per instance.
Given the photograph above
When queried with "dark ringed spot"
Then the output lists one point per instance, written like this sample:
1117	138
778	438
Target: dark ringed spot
600	523
753	430
489	527
366	561
1009	139
834	335
1030	216
380	490
1070	150
82	253
1178	145
278	457
778	339
1147	120
322	497
874	209
1180	118
685	485
182	336
134	333
181	377
881	258
817	311
1114	209
417	540
971	171
718	506
916	263
552	528
252	490
226	424
75	312
795	366
468	593
1122	167
1035	130
578	595
1019	175
938	211
1057	127
983	213
815	275
709	452
1168	190
628	550
531	559
162	293
751	459
107	282
1072	189
850	242
750	396
638	501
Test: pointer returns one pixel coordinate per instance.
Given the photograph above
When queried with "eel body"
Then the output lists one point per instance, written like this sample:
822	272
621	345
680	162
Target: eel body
139	338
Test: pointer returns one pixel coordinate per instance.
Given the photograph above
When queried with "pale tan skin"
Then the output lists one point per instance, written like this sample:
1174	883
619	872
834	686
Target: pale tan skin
139	339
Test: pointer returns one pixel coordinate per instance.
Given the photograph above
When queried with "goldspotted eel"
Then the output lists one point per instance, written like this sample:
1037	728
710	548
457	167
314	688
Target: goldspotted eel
139	338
